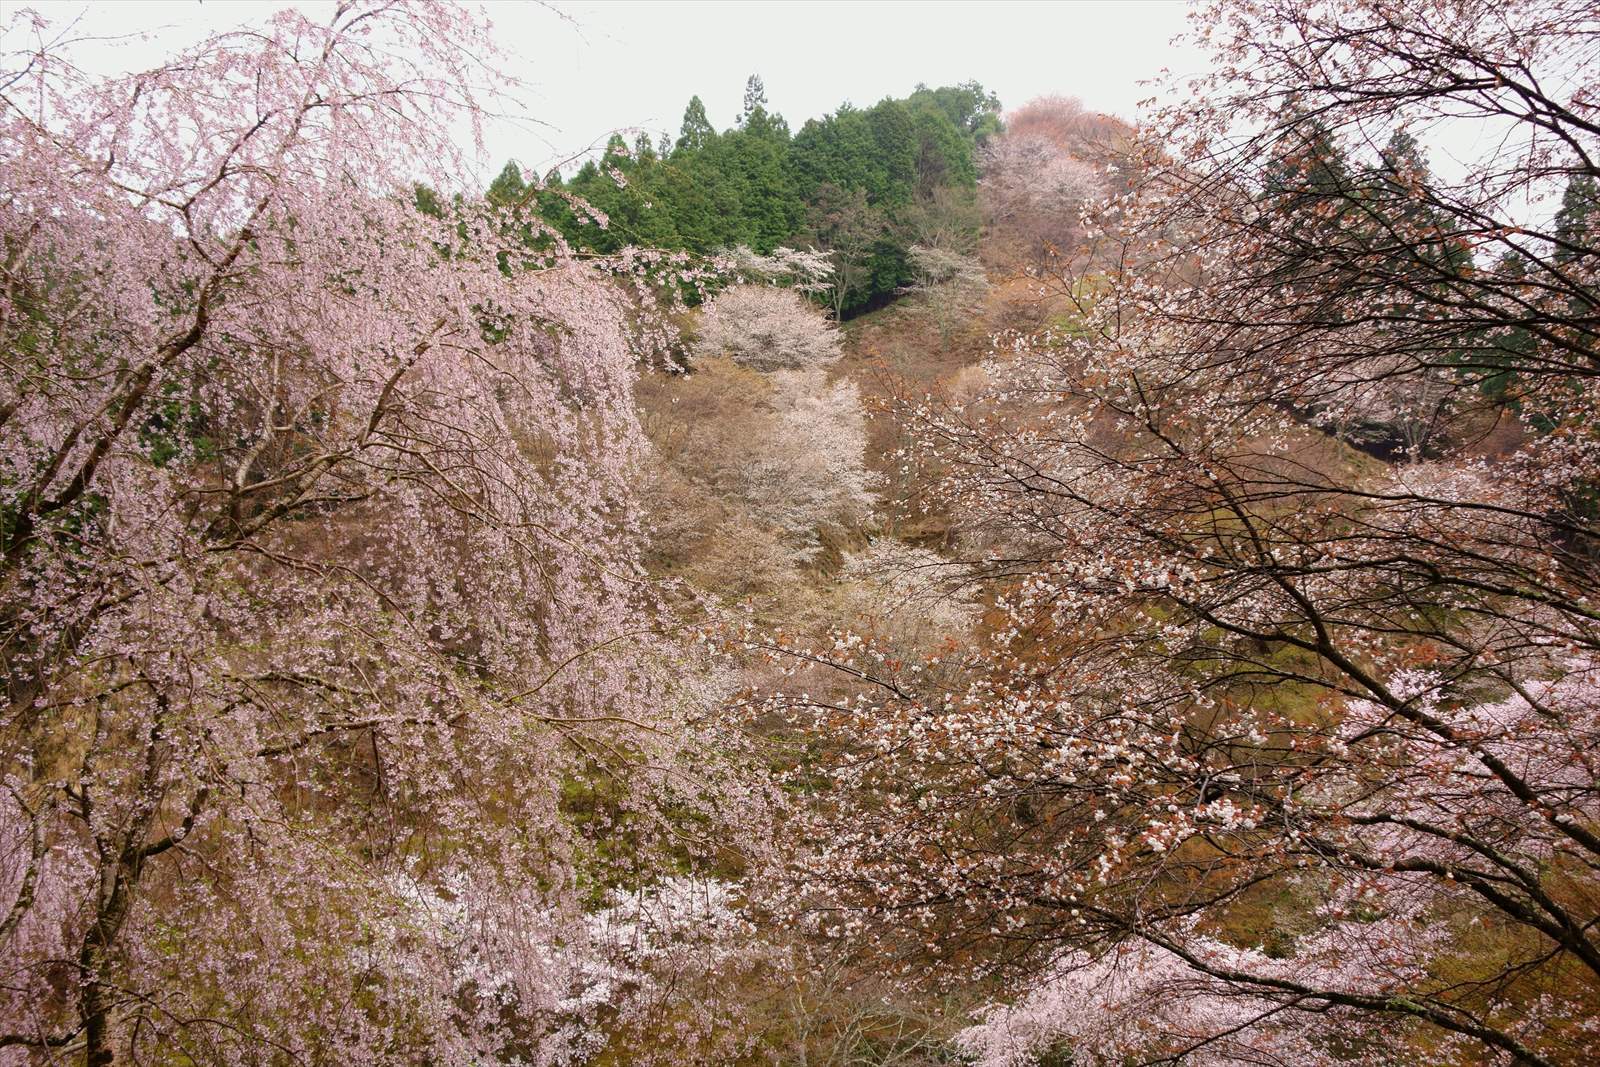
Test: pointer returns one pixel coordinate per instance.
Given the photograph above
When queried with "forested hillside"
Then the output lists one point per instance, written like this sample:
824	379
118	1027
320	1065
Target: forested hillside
949	584
862	184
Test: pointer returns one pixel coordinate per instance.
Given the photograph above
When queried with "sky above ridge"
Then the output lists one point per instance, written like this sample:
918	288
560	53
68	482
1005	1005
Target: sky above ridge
591	68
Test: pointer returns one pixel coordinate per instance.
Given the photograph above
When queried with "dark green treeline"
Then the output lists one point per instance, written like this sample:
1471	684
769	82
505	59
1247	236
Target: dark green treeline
861	183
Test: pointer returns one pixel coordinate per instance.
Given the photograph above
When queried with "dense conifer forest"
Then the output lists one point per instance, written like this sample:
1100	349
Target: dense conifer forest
863	185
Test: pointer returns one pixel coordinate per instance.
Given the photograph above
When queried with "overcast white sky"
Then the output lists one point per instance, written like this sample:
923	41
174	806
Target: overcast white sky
626	64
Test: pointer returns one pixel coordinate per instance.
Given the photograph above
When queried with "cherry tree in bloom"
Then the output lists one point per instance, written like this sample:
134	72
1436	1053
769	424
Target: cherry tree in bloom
1137	999
766	328
908	588
804	270
805	469
948	283
1270	751
320	597
1031	179
1041	175
808	471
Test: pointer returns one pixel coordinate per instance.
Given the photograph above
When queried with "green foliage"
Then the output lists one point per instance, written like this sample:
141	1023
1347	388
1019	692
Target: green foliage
842	222
860	183
1577	218
176	428
973	110
427	201
508	187
697	131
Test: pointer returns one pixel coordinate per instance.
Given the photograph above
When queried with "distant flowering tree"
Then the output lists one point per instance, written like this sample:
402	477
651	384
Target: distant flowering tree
1267	751
948	282
804	270
807	472
908	588
1032	180
766	328
1136	1000
1034	188
1064	122
801	467
315	517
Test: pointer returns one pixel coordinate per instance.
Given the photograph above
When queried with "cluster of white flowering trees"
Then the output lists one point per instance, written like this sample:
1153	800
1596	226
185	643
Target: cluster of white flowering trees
1270	752
805	469
766	328
327	654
